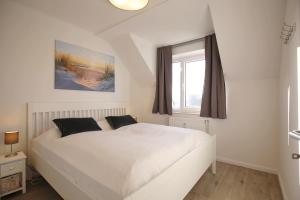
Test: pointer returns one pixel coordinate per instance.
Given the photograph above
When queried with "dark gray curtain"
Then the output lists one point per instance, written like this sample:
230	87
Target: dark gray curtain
163	95
214	95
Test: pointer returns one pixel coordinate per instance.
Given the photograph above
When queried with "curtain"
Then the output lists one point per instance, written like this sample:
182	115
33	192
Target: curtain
163	96
214	95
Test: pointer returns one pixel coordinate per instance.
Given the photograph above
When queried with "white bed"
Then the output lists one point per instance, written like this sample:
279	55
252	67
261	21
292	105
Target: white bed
158	162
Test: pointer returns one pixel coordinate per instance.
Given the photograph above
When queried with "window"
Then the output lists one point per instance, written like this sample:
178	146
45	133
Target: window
188	80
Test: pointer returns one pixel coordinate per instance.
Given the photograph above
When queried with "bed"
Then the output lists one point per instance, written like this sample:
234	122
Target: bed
137	162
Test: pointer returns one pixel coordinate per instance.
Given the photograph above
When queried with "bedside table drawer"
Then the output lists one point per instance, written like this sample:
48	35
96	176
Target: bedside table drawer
11	168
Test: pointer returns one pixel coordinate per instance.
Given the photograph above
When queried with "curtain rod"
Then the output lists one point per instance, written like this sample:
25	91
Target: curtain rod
190	42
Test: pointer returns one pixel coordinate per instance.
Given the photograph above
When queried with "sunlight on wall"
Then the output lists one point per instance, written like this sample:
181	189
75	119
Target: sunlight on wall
288	114
299	166
298	81
298	95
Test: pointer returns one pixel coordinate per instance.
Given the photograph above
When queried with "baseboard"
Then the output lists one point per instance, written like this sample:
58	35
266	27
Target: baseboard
247	165
283	191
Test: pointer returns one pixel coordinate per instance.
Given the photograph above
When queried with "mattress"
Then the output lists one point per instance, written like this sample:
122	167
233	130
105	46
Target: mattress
114	164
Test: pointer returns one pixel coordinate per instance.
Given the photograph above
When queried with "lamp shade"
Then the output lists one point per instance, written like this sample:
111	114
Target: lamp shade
11	137
129	4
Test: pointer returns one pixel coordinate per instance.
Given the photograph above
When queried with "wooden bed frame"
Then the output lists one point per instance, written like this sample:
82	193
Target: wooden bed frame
172	184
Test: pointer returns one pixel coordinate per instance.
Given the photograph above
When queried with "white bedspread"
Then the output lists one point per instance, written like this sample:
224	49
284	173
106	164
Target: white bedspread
122	160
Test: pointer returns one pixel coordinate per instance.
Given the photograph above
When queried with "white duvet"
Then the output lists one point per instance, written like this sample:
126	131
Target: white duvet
122	160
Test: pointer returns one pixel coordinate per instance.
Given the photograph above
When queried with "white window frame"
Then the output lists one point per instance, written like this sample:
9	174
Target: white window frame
183	60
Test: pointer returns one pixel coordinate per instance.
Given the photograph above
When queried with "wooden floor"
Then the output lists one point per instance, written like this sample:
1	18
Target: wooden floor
236	183
230	183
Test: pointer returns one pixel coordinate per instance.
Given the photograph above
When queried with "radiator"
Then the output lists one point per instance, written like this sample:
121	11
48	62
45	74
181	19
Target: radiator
190	122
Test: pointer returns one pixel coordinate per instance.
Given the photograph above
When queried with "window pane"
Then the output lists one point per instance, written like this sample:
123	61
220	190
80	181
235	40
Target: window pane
176	79
194	77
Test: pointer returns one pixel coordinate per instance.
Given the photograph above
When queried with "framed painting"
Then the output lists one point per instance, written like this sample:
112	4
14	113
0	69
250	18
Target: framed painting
78	68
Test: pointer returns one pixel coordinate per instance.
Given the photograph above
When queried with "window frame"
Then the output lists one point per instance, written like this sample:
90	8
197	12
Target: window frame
183	60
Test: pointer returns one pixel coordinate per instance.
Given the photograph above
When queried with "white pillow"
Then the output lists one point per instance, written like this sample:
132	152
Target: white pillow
50	134
104	125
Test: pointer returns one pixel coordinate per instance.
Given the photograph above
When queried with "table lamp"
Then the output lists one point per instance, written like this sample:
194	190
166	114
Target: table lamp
11	137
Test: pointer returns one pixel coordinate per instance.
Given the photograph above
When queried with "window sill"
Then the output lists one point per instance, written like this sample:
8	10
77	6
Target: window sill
186	114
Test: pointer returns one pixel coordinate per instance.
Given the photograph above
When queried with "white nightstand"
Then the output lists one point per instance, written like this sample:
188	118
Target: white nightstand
11	166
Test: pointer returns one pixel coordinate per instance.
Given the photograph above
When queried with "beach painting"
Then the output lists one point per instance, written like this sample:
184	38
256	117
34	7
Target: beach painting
77	68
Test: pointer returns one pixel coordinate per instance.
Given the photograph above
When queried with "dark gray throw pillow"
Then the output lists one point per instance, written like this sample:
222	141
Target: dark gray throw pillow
119	121
68	126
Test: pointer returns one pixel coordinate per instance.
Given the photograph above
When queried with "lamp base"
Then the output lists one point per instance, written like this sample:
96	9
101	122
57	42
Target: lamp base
11	155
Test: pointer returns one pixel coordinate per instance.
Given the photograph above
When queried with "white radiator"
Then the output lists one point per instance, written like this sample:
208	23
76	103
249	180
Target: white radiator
190	122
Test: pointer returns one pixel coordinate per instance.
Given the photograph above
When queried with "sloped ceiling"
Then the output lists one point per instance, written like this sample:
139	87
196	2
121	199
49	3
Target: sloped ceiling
247	30
173	22
147	50
248	36
91	15
129	52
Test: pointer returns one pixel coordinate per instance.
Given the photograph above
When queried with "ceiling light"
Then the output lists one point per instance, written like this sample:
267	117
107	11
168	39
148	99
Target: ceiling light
129	4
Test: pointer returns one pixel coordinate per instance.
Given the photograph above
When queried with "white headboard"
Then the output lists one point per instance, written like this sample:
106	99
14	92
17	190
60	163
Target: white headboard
41	114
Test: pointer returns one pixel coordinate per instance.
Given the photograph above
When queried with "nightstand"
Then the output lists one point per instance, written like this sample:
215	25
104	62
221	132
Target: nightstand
12	174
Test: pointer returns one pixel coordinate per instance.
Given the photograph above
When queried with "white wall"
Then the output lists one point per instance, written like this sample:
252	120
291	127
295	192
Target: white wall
27	65
288	168
248	136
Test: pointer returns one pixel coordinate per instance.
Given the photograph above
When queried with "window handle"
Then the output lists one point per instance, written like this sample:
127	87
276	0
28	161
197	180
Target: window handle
295	156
